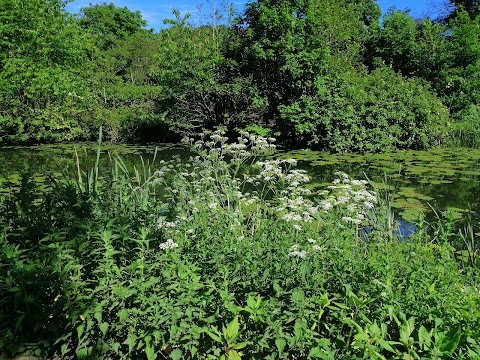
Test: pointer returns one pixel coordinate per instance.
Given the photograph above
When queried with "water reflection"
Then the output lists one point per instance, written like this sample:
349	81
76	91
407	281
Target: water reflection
403	229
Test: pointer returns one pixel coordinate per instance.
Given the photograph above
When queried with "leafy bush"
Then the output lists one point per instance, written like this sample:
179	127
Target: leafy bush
375	112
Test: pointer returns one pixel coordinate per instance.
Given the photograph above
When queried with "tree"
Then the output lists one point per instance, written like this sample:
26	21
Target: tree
42	63
471	7
461	80
287	47
280	48
190	74
109	23
396	43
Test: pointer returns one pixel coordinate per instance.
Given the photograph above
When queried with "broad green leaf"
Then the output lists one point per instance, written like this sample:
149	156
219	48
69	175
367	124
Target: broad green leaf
103	327
63	349
316	352
232	329
386	345
98	316
374	329
362	336
150	352
115	346
131	341
81	353
80	330
424	337
298	295
406	330
214	336
451	341
233	355
240	346
251	302
281	343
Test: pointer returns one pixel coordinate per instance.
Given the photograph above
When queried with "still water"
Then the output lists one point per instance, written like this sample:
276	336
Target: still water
442	179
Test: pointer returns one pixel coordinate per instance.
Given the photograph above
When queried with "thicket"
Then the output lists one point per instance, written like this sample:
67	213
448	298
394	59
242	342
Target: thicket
315	73
215	258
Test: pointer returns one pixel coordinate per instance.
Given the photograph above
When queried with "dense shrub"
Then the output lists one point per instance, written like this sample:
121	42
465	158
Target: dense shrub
379	111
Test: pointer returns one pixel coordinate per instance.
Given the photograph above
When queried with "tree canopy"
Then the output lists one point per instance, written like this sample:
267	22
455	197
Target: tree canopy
316	73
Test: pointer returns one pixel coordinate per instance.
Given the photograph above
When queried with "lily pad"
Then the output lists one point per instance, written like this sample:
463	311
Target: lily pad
411	193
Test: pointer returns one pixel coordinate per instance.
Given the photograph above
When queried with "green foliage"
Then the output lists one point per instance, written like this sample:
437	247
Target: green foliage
190	74
108	23
466	130
282	51
444	53
373	112
471	7
461	77
43	59
397	41
313	72
222	259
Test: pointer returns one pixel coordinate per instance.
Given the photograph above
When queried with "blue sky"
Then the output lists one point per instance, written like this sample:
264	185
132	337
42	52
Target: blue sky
155	10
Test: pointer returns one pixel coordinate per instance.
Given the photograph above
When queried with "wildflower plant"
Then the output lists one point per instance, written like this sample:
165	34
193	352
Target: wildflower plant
235	184
351	197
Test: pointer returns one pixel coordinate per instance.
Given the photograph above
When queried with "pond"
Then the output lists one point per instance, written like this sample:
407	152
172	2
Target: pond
442	179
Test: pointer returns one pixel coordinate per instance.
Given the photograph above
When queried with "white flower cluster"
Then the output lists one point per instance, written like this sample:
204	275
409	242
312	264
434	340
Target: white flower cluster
218	146
350	195
162	223
168	245
227	178
295	252
297	208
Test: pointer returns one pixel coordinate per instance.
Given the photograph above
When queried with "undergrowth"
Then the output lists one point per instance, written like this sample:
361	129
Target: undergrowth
227	256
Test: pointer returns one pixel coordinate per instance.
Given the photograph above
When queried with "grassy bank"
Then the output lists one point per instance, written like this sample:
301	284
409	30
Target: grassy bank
227	256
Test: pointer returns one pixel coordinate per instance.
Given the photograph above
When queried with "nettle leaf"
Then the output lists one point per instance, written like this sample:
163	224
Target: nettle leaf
298	295
316	352
104	327
131	341
278	289
150	352
176	354
115	346
281	343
